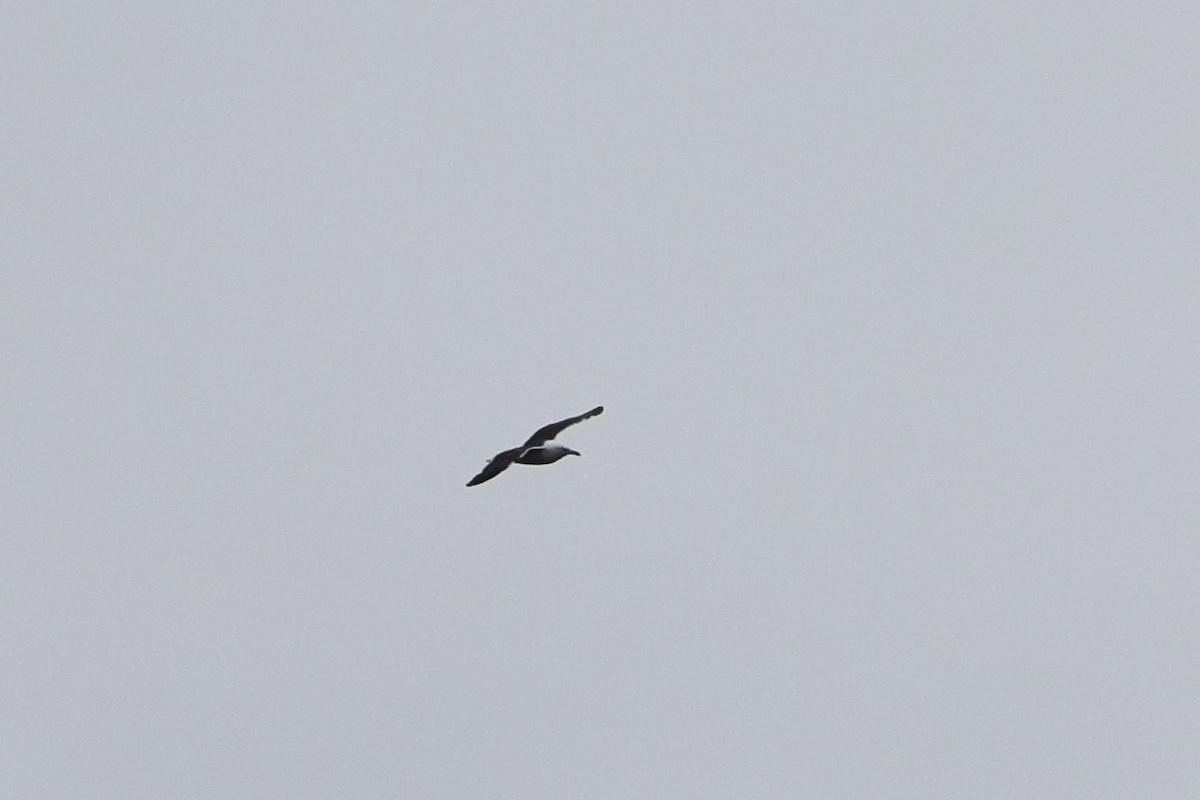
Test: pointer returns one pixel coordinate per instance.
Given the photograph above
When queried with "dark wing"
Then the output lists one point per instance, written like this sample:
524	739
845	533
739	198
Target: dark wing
547	433
499	463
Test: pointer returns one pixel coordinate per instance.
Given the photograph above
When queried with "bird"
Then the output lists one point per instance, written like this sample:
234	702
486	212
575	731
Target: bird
538	449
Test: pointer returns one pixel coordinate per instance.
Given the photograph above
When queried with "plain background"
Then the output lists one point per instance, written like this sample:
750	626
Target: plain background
893	309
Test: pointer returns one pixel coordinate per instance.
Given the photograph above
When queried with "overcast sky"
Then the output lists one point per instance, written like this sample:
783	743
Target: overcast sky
894	310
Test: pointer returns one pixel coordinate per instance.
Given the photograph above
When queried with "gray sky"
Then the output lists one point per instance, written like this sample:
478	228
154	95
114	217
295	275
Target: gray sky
893	310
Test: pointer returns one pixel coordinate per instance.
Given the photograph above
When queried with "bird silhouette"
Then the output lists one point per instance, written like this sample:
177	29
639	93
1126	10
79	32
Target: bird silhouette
538	449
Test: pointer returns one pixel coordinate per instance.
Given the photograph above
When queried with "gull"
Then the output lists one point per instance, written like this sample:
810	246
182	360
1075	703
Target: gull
538	449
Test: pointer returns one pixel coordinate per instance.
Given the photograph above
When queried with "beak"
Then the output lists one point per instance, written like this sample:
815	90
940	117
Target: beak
574	453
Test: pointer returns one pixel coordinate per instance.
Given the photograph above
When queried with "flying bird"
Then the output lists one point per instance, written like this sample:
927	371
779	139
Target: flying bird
538	449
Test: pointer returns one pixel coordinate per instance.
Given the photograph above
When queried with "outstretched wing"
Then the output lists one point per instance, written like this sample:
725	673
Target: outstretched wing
499	463
548	432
